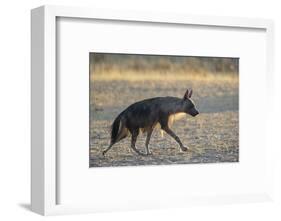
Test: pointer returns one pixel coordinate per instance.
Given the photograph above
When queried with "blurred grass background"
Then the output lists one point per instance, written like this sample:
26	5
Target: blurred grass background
155	67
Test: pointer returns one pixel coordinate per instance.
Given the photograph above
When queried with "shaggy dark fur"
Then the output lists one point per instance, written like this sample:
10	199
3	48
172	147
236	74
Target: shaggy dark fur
145	115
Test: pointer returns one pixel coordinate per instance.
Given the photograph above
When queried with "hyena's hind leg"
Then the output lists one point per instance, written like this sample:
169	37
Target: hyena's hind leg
123	134
109	147
148	136
135	134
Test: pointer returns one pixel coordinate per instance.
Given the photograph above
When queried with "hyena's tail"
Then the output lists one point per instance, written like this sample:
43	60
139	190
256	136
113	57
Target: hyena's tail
118	130
115	129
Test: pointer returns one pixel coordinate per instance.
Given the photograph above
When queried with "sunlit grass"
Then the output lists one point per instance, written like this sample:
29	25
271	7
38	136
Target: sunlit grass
117	75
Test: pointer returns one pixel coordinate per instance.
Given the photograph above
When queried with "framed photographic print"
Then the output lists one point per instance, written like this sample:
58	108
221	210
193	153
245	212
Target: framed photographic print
137	110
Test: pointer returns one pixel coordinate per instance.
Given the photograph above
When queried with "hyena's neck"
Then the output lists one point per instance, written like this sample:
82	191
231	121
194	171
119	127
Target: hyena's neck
176	111
177	105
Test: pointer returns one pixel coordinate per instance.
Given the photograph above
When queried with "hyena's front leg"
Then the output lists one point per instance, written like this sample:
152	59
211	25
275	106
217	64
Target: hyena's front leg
173	135
148	136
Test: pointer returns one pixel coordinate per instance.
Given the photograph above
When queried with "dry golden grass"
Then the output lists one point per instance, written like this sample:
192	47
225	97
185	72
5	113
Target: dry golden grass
117	75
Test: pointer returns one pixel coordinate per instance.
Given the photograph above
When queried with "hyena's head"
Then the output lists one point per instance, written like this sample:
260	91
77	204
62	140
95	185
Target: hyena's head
188	104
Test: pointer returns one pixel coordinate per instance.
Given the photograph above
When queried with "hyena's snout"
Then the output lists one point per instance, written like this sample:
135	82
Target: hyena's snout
193	112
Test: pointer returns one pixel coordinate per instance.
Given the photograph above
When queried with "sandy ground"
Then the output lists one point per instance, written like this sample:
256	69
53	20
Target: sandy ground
212	136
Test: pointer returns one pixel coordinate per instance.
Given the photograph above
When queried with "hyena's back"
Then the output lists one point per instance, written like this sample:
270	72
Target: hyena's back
149	113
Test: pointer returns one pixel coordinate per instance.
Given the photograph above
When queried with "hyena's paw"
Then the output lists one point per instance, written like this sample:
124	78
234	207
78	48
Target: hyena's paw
139	153
184	148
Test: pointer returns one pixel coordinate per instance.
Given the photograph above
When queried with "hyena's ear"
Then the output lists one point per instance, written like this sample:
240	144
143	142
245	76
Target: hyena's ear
188	94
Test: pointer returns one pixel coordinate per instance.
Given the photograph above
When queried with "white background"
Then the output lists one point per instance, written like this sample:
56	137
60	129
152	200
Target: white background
15	108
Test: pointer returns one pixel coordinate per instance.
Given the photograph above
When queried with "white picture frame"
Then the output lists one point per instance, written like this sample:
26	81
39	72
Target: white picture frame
44	157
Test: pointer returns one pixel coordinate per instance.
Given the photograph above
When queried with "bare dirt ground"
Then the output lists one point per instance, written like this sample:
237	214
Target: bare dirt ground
212	136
